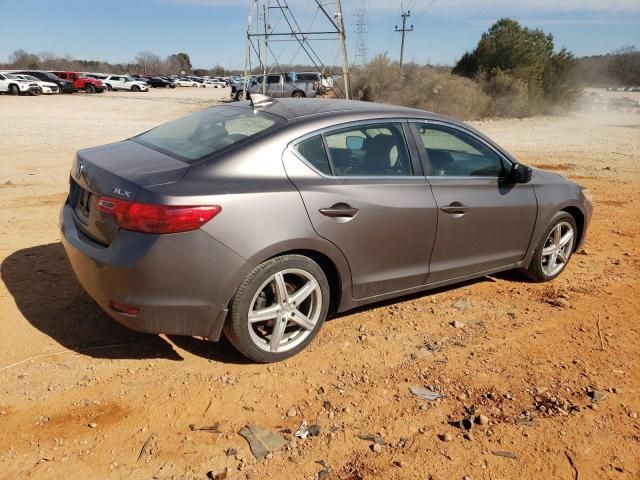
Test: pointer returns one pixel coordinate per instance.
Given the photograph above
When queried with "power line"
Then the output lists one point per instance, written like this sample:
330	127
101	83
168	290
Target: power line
404	30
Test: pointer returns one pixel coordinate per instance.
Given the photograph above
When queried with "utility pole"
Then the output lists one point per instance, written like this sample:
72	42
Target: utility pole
343	49
266	46
404	30
362	29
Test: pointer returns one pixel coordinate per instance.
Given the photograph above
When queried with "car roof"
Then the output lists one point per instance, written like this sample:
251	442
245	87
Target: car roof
297	108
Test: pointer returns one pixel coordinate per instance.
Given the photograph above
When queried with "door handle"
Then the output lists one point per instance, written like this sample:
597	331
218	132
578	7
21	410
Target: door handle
455	208
339	210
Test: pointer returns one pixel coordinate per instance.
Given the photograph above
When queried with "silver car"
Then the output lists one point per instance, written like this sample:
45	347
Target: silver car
260	219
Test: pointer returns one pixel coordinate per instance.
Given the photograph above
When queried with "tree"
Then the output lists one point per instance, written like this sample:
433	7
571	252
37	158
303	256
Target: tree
150	63
527	56
179	62
22	59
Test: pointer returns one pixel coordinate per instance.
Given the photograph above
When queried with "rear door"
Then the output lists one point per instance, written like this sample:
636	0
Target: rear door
484	222
365	193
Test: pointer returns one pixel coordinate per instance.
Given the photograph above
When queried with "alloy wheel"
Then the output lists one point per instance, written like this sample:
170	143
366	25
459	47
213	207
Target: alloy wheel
557	249
284	311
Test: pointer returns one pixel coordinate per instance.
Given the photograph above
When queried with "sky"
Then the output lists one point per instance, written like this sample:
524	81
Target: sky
213	31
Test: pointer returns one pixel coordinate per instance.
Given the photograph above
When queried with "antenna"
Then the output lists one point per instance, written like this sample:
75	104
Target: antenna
404	30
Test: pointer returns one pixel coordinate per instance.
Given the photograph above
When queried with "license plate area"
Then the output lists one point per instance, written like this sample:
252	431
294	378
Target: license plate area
80	201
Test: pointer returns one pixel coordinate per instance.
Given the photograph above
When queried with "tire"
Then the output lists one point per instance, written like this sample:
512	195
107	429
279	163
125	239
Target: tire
89	88
14	90
35	92
109	88
239	95
300	320
298	94
135	88
194	84
555	245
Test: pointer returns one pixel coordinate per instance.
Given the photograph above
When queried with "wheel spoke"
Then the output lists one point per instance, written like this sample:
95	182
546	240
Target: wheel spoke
301	319
276	335
553	260
281	288
263	314
562	256
303	292
566	238
557	234
548	250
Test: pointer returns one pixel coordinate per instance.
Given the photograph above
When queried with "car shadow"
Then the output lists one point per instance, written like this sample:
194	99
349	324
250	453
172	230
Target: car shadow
47	294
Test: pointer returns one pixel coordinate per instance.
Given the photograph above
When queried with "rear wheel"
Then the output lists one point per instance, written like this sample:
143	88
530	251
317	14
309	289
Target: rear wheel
278	309
298	94
239	95
554	249
109	88
135	88
89	88
14	90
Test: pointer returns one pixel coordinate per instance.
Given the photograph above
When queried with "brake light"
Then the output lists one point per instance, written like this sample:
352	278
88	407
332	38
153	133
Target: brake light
150	218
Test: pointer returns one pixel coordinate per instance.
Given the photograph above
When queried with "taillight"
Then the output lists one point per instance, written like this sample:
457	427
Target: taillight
150	218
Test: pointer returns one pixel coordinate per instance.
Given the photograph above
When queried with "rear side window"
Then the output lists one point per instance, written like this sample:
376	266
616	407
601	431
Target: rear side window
376	150
207	131
313	151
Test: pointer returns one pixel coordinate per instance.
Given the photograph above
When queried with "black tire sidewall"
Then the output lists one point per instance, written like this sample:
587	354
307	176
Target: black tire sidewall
236	328
535	268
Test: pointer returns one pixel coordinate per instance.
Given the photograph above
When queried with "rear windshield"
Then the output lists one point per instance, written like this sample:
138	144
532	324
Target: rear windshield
205	132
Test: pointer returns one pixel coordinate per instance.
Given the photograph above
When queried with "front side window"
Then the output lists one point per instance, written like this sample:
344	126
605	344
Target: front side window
369	150
207	131
453	153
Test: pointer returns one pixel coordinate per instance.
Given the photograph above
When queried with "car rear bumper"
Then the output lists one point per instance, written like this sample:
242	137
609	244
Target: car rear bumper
181	283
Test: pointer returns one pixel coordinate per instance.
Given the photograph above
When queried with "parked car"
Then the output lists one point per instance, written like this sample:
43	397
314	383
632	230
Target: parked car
259	219
65	86
185	82
81	82
323	82
14	85
45	87
157	82
277	86
214	84
124	82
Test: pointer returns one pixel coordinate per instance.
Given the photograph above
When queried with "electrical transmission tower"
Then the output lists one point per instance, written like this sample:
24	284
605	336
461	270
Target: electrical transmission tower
272	22
404	30
362	31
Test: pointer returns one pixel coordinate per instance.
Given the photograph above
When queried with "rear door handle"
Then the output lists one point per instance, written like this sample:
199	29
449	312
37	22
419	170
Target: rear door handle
339	210
455	208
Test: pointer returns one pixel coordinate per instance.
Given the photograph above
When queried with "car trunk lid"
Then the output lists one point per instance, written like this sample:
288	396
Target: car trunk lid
119	170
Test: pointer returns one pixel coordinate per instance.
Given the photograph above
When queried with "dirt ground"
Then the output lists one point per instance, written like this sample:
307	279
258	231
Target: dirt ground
82	397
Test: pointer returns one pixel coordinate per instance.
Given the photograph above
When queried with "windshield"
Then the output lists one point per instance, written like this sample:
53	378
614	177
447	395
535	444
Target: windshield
29	77
205	132
13	77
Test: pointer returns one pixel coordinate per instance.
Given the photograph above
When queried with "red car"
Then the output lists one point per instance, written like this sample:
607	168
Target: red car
82	82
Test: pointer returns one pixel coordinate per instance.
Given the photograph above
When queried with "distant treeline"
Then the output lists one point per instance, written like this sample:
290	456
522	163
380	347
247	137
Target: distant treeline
618	68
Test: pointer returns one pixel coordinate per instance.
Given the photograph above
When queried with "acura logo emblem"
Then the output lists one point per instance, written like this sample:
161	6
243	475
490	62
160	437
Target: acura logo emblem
79	169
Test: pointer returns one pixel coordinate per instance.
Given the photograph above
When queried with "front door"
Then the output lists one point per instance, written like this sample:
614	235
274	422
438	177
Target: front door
363	193
484	223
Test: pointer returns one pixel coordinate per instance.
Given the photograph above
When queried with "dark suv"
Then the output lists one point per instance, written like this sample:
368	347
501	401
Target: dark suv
65	85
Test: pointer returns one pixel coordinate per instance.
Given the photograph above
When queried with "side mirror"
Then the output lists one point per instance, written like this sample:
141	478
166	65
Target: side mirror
520	173
355	142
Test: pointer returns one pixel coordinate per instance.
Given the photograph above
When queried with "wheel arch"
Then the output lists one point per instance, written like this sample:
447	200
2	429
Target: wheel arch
578	216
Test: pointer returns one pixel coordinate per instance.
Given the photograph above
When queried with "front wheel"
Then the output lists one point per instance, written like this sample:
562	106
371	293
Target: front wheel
554	249
298	95
278	309
135	88
109	88
90	88
14	90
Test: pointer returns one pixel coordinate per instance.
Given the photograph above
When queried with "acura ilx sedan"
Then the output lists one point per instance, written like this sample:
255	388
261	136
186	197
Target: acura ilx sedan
260	219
